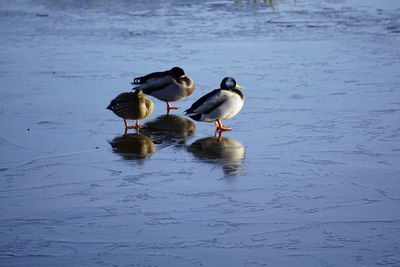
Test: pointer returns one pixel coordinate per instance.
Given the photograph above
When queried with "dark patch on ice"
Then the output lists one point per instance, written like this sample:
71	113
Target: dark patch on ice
49	123
321	162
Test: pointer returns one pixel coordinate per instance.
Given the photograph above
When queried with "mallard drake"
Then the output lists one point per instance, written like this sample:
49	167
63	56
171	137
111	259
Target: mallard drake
132	106
168	86
219	104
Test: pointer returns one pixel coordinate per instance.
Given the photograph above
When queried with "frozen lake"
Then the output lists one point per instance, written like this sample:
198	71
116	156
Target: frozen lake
307	177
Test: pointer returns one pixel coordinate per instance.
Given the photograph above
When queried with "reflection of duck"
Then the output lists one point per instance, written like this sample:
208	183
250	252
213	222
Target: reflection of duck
168	86
219	104
173	124
169	129
132	106
226	151
133	146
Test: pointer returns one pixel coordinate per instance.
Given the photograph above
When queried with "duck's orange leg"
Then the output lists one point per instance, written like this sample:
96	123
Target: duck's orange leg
169	107
137	125
127	126
221	127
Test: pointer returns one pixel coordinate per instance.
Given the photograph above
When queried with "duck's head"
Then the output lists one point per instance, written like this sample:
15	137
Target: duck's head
229	83
178	72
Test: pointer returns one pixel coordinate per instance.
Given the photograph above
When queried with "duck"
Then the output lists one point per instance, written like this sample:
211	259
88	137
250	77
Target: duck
132	106
168	86
219	104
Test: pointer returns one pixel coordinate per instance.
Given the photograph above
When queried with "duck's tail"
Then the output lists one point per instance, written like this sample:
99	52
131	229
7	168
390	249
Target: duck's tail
194	116
111	106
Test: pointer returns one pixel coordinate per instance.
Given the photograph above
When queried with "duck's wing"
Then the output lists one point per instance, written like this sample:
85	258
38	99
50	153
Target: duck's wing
207	103
122	103
155	84
154	75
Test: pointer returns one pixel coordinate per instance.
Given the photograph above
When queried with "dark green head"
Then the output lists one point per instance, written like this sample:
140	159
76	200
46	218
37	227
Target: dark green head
177	72
229	83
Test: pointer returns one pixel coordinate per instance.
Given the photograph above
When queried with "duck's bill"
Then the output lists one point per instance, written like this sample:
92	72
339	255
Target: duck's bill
238	86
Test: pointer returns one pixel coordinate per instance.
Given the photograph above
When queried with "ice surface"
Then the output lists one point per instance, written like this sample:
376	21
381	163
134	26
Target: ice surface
307	177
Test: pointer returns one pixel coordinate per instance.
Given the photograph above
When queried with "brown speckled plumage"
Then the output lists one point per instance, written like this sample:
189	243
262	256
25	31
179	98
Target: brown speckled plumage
132	106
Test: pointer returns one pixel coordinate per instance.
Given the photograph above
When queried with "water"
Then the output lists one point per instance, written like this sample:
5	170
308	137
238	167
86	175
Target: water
309	176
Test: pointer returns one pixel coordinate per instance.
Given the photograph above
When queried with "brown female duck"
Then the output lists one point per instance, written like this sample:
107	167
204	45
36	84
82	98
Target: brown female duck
132	106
